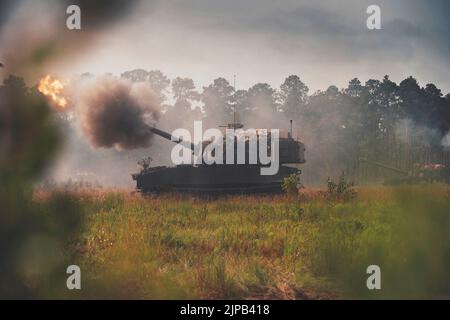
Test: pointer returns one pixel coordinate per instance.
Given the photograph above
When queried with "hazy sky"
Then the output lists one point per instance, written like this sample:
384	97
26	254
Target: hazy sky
324	42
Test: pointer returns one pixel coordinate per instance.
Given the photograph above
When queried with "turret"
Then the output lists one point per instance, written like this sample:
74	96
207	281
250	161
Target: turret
290	151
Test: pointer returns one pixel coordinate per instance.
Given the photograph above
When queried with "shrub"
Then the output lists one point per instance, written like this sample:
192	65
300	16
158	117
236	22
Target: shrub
291	184
342	191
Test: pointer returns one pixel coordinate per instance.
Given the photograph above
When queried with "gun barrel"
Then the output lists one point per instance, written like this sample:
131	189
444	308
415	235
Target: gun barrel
381	165
168	136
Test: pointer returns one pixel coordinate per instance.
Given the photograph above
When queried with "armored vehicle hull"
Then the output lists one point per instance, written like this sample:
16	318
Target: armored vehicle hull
212	179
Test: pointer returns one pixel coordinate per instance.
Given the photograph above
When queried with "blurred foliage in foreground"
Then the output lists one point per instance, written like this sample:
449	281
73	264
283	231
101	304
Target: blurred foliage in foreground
407	236
32	234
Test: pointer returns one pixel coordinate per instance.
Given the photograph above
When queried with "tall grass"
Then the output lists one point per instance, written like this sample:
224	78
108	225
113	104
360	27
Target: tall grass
279	247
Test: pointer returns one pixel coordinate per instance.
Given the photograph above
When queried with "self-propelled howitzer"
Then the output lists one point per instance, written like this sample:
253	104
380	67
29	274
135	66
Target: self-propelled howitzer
222	178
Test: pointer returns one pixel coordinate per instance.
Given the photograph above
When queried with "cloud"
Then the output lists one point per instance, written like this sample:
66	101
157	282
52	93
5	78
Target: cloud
325	42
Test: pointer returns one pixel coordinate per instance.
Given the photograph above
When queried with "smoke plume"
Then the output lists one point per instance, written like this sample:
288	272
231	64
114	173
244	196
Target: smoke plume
446	140
116	113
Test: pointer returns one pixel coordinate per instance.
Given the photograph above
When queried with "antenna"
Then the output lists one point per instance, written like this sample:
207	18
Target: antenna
234	107
234	125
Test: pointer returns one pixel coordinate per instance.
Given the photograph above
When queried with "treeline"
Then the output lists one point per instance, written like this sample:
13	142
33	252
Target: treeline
401	125
381	102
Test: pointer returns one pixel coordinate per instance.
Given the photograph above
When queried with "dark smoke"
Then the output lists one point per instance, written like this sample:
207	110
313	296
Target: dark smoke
101	13
116	113
34	37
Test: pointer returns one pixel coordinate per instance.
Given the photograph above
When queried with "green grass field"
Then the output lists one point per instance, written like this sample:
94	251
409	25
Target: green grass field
274	247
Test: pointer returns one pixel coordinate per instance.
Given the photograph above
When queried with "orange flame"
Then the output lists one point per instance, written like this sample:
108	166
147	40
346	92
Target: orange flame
52	88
